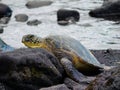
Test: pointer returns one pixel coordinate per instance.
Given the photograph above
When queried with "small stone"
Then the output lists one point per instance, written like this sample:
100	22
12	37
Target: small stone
4	20
21	17
34	22
70	83
36	4
63	22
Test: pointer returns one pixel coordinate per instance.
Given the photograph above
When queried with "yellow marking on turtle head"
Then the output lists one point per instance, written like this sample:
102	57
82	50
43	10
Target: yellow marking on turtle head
32	41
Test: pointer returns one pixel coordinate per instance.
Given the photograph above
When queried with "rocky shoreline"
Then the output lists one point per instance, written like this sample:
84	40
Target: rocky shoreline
108	57
37	69
16	75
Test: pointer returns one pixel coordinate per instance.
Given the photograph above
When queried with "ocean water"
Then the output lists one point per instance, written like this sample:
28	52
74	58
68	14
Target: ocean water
93	33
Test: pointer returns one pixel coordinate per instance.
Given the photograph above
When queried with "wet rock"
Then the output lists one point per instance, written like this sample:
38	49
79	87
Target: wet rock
1	30
63	22
36	4
109	80
110	10
29	69
65	16
33	69
5	10
5	13
34	22
21	17
56	87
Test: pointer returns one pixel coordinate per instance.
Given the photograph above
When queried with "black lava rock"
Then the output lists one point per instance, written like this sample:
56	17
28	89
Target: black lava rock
110	10
64	16
109	80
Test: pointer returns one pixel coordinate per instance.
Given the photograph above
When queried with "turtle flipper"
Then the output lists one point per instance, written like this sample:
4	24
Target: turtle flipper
72	72
4	47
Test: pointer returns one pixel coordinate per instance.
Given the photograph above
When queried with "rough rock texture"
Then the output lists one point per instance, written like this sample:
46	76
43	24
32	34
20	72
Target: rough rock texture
110	10
69	84
34	22
29	69
76	86
109	80
21	17
32	69
108	57
36	4
57	87
63	22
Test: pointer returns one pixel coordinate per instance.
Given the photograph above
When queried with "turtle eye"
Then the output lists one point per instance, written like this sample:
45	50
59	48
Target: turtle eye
27	39
30	38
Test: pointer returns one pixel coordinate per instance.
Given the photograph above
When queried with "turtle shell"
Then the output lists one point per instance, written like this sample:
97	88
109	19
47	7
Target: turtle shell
68	43
87	60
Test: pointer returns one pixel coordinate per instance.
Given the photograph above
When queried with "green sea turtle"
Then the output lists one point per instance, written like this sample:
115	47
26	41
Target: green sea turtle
74	57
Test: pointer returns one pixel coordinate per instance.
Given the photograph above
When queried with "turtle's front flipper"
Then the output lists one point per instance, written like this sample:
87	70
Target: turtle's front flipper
72	72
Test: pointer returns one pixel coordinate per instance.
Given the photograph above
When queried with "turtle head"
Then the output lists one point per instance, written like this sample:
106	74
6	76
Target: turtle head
32	41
